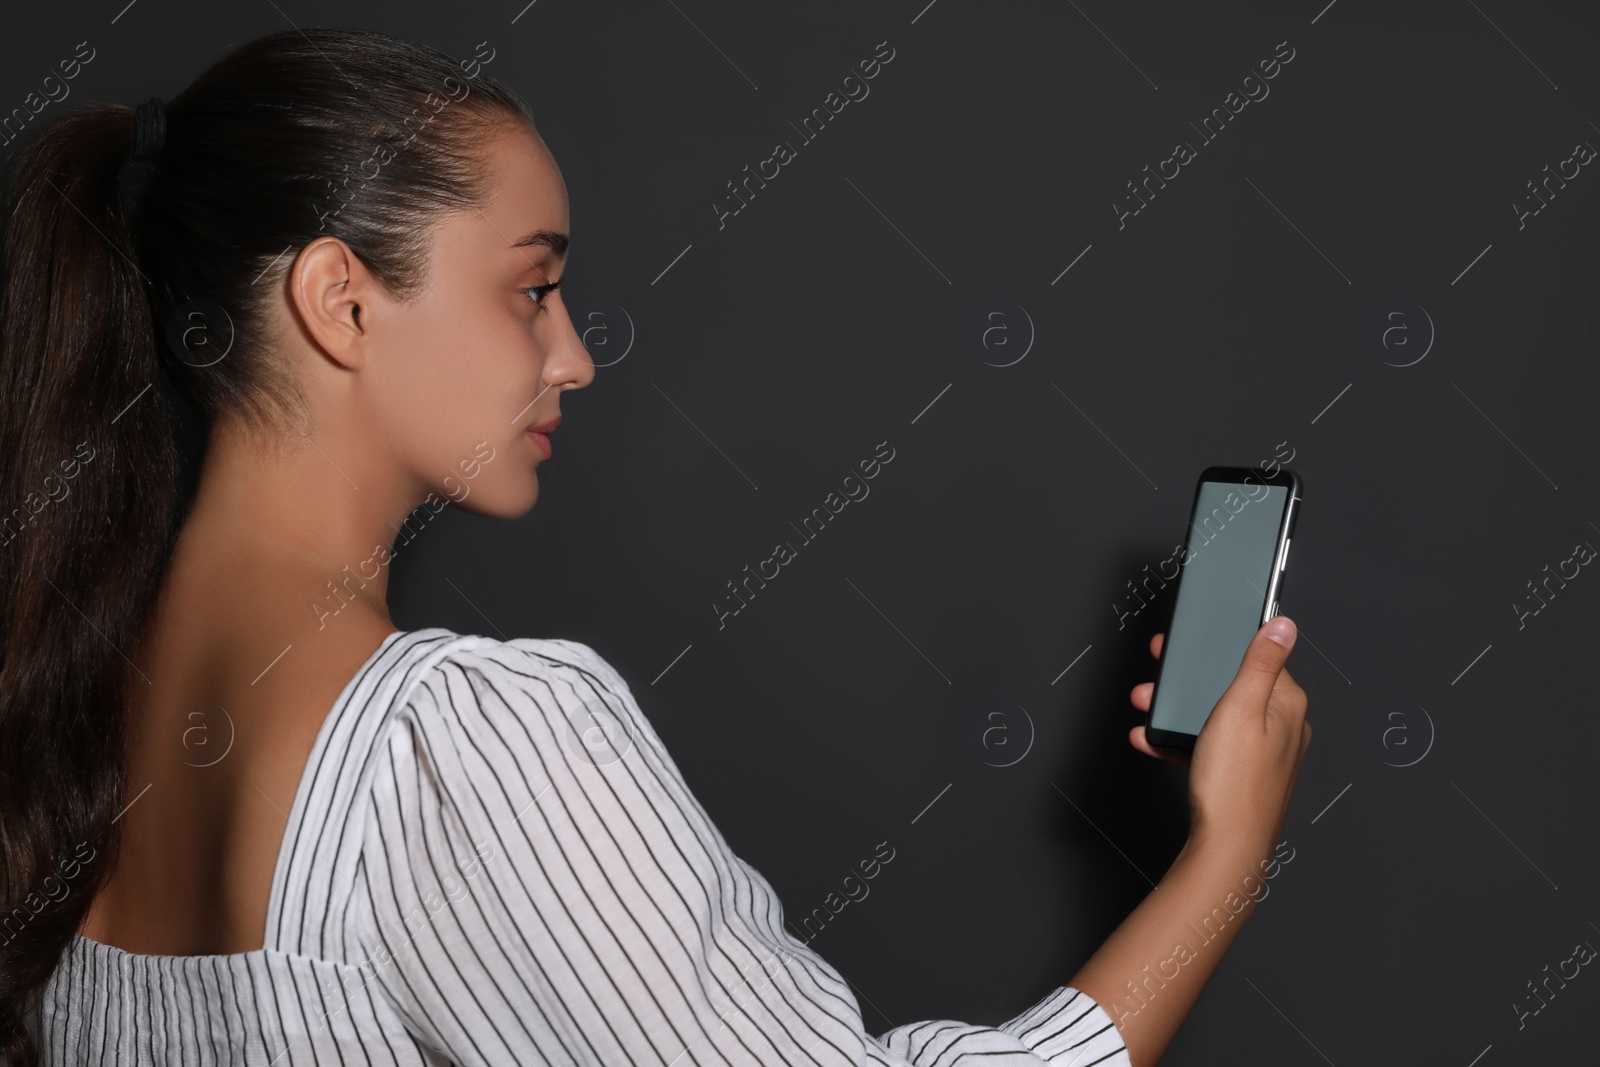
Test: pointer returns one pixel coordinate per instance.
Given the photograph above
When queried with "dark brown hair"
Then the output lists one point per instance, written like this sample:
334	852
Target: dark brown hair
296	135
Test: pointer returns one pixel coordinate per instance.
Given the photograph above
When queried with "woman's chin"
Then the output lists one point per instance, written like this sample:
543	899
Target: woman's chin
504	503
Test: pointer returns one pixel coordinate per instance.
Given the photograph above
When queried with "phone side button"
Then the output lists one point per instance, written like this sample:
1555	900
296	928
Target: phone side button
1274	610
1285	564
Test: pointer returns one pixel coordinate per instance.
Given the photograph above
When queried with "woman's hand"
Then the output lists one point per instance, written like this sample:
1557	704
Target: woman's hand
1248	753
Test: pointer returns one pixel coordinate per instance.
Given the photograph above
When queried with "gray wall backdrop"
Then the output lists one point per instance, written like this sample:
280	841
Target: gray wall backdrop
1353	273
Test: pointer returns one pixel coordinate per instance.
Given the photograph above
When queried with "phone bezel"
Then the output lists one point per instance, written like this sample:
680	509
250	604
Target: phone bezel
1178	740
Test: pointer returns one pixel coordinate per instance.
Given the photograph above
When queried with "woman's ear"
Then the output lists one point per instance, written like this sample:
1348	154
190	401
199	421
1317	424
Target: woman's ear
330	291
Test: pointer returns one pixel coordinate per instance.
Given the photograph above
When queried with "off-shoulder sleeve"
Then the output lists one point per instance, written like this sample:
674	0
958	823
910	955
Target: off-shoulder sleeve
538	885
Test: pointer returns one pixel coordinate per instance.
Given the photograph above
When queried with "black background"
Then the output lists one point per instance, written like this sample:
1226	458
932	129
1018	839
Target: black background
922	638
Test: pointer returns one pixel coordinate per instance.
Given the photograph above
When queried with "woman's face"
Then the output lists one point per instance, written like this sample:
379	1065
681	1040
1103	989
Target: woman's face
474	360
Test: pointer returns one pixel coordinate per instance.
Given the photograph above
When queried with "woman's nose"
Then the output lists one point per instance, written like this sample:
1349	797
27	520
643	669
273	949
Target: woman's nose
573	368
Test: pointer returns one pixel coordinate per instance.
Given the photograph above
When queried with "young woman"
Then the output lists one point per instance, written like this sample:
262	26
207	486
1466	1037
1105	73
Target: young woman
246	819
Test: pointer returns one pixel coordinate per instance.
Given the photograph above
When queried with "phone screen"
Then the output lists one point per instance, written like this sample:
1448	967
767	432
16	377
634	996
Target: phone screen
1222	591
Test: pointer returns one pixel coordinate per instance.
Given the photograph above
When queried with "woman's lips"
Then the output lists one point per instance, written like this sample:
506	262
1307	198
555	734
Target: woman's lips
541	435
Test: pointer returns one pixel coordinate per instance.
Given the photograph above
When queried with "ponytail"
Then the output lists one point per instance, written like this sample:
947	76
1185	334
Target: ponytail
88	491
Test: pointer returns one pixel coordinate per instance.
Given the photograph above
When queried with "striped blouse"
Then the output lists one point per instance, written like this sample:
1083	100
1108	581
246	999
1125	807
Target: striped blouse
492	859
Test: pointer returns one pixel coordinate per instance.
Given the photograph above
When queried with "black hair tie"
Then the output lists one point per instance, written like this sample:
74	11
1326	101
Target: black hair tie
149	128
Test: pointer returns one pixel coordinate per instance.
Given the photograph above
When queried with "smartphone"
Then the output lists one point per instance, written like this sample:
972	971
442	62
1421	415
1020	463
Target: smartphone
1233	558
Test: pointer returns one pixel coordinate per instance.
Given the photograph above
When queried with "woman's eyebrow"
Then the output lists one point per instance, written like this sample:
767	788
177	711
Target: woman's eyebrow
554	239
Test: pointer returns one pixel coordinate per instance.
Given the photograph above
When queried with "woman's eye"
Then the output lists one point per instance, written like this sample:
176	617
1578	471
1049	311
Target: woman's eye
536	293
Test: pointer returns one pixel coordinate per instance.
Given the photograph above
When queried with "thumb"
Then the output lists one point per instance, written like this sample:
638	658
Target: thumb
1263	662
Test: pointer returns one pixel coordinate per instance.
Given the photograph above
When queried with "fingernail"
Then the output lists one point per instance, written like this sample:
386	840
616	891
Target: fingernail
1281	630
